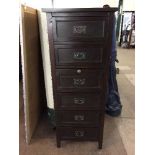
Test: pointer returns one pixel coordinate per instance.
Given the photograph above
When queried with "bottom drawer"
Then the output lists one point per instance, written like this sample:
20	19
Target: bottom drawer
78	133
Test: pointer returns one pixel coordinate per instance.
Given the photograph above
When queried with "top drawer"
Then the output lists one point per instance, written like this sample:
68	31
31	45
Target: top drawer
79	28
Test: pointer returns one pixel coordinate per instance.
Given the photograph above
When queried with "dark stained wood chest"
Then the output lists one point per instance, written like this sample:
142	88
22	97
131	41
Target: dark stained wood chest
80	46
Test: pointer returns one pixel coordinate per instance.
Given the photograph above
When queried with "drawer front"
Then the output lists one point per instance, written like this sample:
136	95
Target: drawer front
78	133
78	101
79	55
79	28
77	117
79	79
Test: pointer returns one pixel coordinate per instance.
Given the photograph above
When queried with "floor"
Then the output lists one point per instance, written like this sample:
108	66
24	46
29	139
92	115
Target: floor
119	132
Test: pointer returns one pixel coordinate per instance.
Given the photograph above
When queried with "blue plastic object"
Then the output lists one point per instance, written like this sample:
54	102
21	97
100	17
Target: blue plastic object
113	105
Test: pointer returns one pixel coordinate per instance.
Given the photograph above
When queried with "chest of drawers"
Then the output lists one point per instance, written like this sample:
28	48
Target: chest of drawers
80	46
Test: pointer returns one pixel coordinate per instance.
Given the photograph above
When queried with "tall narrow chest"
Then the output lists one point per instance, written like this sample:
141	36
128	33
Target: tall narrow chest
80	45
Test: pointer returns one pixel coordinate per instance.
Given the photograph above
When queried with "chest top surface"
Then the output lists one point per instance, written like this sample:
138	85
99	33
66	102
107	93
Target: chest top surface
60	10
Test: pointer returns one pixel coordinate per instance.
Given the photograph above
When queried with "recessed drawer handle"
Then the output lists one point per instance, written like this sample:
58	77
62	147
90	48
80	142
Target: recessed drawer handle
79	133
79	117
79	82
79	55
79	100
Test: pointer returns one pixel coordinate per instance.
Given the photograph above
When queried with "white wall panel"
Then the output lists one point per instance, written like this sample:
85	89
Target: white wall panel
128	5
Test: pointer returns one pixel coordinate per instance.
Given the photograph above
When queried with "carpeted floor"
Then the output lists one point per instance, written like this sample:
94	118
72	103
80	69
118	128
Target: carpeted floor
118	132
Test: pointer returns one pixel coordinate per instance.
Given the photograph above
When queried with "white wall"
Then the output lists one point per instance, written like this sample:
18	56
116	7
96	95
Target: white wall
84	3
69	3
128	5
37	3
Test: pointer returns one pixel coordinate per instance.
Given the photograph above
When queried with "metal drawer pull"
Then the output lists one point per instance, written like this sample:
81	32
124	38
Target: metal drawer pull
79	117
79	55
79	133
79	82
78	71
79	100
80	29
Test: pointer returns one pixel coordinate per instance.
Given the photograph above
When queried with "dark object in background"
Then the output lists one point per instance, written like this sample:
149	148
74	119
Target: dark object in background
113	105
132	31
106	6
127	39
51	117
20	63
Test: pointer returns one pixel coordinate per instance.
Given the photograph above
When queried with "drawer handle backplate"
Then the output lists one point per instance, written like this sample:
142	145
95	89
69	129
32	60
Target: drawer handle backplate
79	55
79	82
79	117
79	100
79	133
79	29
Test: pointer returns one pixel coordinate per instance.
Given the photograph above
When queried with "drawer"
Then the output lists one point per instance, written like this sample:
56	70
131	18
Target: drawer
79	28
79	101
78	133
80	55
77	117
79	79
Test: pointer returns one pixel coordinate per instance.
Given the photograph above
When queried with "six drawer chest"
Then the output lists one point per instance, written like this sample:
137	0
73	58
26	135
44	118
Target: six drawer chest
80	42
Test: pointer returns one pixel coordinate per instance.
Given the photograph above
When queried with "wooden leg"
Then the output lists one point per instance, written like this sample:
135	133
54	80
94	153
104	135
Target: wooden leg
100	144
100	138
58	143
58	140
